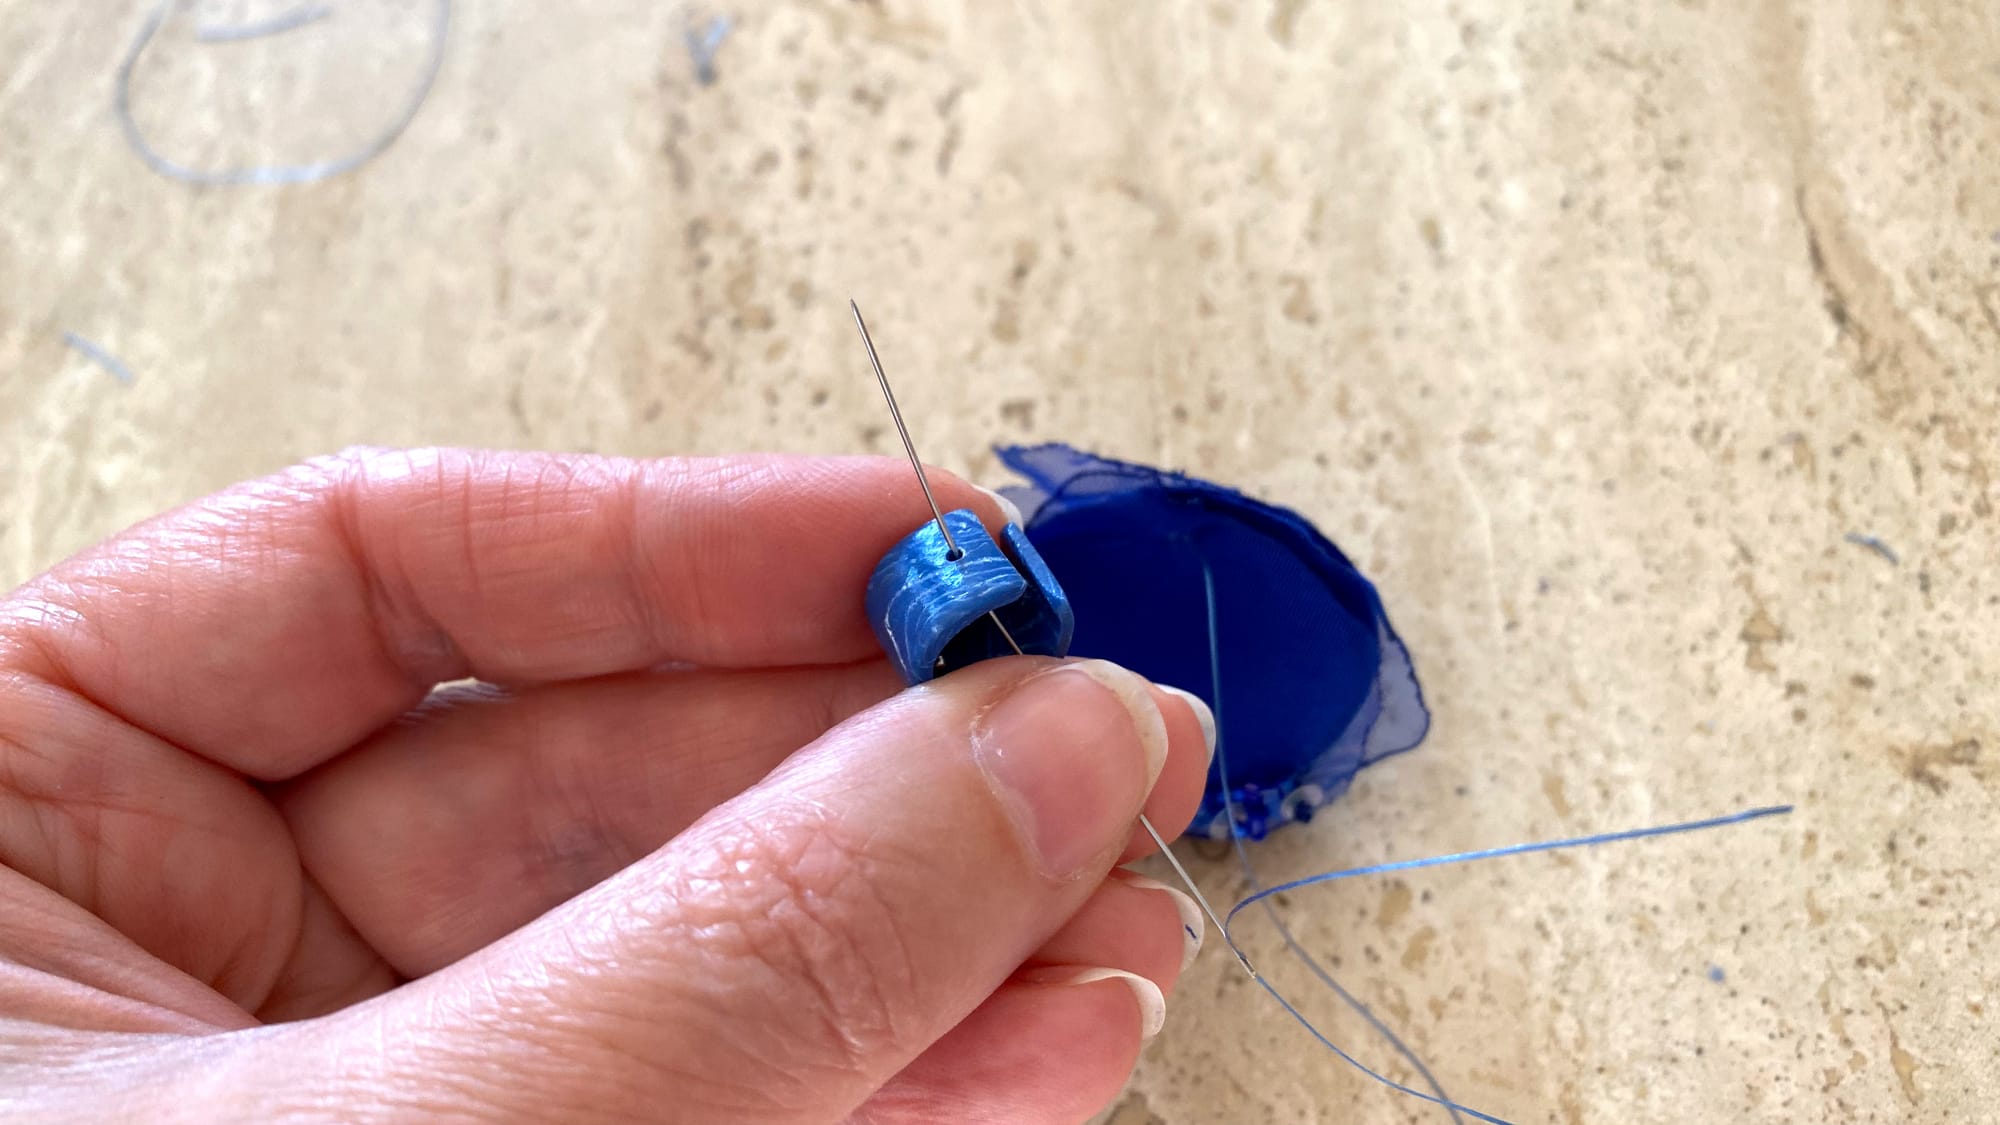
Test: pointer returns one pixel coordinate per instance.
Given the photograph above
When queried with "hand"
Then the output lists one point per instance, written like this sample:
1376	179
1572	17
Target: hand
684	853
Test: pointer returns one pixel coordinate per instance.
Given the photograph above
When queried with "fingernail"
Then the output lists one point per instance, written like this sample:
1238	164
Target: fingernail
1007	507
1059	752
1192	925
1152	1002
1136	694
1202	715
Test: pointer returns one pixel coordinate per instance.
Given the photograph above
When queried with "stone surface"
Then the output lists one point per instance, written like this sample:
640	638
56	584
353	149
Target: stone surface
1592	330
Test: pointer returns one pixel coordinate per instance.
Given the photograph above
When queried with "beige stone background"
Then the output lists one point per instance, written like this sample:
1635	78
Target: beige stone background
1591	329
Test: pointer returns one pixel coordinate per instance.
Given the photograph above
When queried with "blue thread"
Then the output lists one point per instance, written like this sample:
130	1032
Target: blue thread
291	20
1449	1105
1236	835
121	106
702	48
1516	849
1463	857
1874	544
1263	895
100	356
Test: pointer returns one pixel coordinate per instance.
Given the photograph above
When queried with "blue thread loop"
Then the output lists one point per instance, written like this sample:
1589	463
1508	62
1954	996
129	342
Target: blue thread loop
930	611
1439	1099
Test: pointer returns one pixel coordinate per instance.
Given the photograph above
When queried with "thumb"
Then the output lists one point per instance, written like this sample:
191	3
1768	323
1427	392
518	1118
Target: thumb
796	948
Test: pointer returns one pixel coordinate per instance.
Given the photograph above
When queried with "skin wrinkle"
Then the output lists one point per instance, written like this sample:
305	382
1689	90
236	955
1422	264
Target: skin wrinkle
63	833
604	497
876	1025
788	938
308	873
40	621
84	854
551	1034
644	576
547	503
251	949
611	1031
15	783
901	956
294	953
447	1084
86	1060
575	836
730	481
432	929
476	524
95	957
465	526
379	557
393	620
580	839
684	552
769	934
715	742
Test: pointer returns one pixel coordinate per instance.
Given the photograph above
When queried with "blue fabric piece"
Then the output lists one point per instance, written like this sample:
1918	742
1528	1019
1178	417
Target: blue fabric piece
930	611
1318	683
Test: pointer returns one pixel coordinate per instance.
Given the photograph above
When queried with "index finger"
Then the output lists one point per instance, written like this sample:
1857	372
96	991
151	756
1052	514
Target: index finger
272	625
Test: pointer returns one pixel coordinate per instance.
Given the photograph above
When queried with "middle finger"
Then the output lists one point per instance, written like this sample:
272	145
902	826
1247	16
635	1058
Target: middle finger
485	809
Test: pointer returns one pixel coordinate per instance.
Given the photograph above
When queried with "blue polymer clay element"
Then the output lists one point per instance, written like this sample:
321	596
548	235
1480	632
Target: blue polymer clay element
1318	683
930	611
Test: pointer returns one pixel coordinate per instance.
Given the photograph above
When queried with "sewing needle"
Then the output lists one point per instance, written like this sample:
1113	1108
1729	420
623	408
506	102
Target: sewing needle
909	447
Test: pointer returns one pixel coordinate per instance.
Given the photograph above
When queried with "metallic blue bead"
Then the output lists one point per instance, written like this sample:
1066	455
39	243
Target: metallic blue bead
930	612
